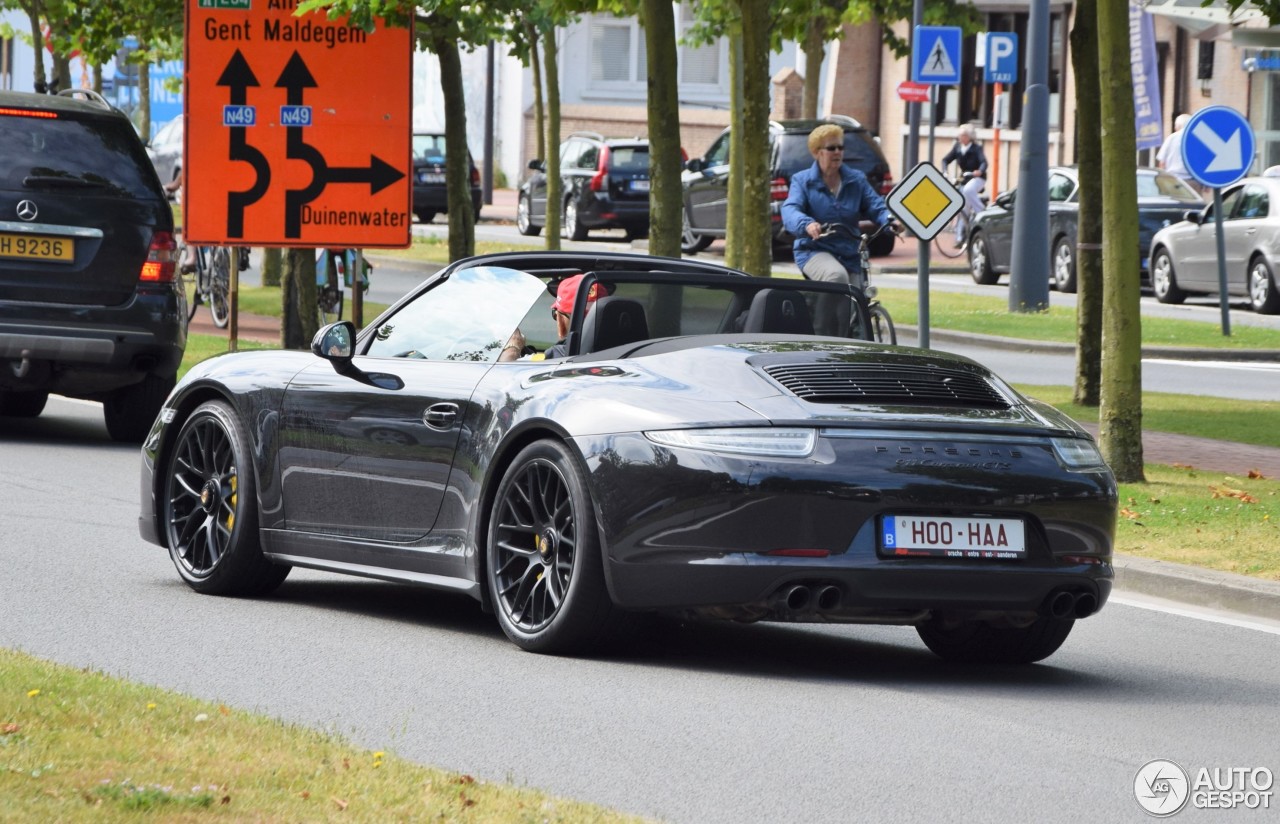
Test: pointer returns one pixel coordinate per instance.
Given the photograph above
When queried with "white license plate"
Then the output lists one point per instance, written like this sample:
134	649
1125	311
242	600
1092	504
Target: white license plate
639	185
947	537
430	177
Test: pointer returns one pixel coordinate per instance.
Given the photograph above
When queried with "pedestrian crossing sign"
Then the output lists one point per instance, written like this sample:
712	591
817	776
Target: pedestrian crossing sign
925	201
935	55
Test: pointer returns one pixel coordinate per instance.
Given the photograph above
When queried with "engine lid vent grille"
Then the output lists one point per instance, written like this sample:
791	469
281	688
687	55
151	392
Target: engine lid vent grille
887	384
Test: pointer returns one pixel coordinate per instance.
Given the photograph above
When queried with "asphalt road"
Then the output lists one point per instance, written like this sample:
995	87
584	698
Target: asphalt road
690	723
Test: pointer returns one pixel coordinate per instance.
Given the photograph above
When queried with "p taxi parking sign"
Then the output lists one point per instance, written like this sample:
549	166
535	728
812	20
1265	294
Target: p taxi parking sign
298	128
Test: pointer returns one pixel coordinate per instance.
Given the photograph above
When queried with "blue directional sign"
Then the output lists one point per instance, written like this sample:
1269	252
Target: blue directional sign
935	55
1002	58
1217	146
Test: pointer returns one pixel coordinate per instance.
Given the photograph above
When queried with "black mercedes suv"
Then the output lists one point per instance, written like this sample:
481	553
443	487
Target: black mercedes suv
706	179
90	305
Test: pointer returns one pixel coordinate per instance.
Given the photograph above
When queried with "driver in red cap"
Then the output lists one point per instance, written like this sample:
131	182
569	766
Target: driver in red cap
562	311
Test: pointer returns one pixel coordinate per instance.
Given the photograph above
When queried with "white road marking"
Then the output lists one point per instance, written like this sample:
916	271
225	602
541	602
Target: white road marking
1133	599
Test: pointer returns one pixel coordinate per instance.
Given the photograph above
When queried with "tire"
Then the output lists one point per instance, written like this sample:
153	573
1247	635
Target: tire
523	221
1063	277
220	286
426	217
543	563
1262	288
130	411
945	242
980	261
22	404
975	642
1164	281
882	330
571	227
690	241
637	233
210	505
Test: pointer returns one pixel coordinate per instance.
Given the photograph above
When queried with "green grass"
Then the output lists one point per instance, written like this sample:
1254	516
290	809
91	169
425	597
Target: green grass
1202	518
1225	419
78	746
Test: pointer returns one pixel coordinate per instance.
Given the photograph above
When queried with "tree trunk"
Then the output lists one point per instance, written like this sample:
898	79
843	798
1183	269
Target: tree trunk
815	51
757	245
666	195
457	168
733	209
272	263
1084	60
144	101
41	82
540	125
299	319
555	196
1120	409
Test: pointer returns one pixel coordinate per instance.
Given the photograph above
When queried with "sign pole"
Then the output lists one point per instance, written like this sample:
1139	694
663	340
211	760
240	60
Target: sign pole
995	141
1222	261
913	156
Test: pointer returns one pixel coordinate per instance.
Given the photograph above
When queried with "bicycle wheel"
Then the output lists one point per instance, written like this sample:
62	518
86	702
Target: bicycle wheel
882	330
190	279
945	241
328	304
220	286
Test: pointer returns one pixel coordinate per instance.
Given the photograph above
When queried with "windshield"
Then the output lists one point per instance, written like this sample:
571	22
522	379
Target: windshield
59	152
428	147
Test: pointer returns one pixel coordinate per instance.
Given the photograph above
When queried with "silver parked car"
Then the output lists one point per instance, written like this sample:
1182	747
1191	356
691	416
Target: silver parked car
1184	256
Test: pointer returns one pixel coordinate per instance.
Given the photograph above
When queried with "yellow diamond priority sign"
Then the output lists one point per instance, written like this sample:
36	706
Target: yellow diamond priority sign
925	201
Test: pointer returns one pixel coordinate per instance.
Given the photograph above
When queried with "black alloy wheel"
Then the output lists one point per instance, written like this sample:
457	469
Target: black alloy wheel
524	220
980	261
210	507
544	567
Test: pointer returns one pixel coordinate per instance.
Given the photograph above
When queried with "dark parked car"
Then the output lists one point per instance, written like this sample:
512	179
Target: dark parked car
90	305
698	450
1162	199
706	179
430	193
605	185
1184	256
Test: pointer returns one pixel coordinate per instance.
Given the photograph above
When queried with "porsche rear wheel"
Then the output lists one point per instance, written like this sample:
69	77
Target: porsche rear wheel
976	642
210	507
543	562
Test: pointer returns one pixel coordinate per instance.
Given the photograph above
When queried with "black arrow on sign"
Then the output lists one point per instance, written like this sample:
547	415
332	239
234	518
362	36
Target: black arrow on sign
295	79
238	76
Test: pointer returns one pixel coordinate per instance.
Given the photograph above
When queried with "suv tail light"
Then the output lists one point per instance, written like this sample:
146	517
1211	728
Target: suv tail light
886	185
161	264
779	189
600	180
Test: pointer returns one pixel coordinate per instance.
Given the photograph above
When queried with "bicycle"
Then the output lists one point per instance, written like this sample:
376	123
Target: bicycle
211	274
331	278
945	241
882	330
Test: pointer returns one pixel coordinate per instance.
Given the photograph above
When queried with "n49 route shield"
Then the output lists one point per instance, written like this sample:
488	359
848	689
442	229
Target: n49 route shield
298	128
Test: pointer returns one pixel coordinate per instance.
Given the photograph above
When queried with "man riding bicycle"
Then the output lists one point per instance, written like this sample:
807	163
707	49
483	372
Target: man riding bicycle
970	161
830	192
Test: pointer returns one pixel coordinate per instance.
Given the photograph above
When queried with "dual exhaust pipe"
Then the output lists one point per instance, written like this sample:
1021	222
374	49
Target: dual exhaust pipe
806	598
1067	604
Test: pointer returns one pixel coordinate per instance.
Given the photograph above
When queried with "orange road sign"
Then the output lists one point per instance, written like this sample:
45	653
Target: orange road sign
297	129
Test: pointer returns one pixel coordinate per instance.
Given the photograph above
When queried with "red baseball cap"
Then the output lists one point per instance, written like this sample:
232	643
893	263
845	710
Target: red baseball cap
567	293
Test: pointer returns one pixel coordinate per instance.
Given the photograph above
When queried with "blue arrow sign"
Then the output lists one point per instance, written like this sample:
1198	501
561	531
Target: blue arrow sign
935	55
1217	146
1002	58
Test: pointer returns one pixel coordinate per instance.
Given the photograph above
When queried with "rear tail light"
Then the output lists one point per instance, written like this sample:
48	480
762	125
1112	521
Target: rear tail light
5	111
779	188
886	185
161	262
600	180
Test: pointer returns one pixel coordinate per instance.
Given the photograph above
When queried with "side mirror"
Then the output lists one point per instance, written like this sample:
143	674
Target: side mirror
694	165
1004	200
336	344
537	165
1196	216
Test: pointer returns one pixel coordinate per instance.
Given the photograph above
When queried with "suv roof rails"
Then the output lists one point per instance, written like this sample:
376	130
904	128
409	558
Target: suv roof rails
87	94
584	133
843	120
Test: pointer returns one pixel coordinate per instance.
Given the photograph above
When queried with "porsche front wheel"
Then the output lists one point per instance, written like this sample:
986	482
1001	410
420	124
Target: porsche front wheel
544	568
210	507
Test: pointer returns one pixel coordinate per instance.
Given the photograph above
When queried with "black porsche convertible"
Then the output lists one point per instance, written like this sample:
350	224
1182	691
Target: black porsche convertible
699	449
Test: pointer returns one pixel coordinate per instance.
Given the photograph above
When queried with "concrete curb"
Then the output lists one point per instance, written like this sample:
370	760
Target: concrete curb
1199	587
1172	352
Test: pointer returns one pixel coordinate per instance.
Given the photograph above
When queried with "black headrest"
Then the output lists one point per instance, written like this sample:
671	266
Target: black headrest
779	311
613	321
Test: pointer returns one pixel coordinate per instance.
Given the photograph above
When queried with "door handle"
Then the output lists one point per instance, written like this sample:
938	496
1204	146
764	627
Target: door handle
440	415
